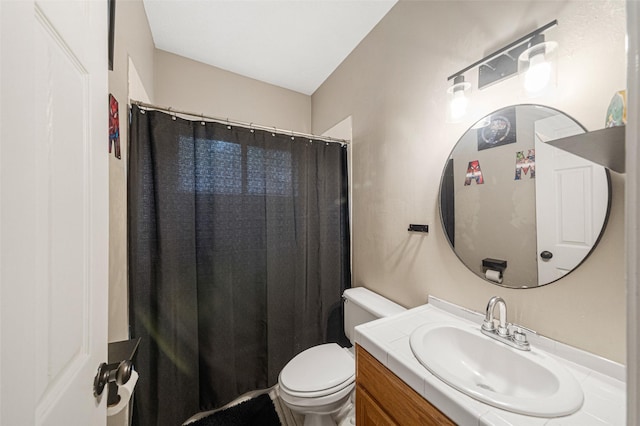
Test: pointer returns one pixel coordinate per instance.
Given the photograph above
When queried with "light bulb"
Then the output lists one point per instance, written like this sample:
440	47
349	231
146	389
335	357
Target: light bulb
538	74
458	105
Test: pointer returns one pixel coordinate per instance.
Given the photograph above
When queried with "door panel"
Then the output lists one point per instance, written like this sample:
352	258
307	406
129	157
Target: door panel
55	193
571	200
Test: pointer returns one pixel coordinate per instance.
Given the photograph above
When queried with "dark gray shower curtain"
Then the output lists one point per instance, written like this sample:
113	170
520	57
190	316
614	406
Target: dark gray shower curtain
238	256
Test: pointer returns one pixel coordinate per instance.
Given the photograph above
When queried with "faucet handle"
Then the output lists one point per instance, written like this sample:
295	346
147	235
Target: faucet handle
520	338
521	329
519	335
488	325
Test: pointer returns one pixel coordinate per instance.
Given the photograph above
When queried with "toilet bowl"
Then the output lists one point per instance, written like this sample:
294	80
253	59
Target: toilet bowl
319	382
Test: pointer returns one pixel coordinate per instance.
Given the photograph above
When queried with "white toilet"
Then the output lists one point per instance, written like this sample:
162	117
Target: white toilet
318	382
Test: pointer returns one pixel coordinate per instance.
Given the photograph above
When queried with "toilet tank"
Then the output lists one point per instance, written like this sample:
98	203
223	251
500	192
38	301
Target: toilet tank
362	305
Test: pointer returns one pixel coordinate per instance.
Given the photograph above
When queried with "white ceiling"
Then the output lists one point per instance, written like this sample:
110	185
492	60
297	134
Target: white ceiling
295	44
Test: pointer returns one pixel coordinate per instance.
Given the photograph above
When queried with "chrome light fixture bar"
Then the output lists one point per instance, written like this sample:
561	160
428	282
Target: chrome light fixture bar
502	63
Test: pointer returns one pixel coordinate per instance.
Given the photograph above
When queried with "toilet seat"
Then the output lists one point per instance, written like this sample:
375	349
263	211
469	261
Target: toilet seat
320	393
321	404
318	371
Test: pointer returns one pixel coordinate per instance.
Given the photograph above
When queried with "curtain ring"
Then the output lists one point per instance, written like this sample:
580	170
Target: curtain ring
292	137
228	125
274	131
202	116
251	127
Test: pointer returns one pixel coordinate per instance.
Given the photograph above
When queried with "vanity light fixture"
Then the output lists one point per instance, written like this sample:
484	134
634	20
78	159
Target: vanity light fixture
529	56
537	65
458	101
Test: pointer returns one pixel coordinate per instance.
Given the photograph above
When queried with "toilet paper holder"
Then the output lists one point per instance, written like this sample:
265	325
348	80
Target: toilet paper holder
120	366
418	228
495	264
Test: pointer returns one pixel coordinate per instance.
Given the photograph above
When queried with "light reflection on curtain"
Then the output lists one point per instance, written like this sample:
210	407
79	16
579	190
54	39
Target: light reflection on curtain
238	256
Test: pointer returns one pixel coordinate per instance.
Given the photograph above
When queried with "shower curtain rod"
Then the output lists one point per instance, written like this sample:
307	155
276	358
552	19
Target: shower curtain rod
240	123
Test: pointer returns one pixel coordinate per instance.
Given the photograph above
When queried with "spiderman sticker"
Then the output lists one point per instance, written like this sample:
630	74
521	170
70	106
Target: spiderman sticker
474	172
114	126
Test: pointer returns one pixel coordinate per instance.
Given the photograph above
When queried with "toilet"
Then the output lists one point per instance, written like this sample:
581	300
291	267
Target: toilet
318	383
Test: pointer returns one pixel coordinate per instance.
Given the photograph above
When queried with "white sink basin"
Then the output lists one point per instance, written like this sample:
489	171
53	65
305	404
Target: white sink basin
524	382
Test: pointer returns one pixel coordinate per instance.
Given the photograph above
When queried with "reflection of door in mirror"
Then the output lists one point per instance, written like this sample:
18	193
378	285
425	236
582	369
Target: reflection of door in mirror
571	201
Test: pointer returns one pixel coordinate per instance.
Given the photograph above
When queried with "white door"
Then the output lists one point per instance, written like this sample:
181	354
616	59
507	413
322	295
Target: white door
571	201
53	211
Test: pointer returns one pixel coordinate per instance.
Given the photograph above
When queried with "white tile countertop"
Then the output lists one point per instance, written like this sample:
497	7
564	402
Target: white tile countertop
602	380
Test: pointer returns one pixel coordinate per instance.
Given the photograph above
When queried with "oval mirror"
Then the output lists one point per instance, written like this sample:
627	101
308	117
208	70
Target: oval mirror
517	211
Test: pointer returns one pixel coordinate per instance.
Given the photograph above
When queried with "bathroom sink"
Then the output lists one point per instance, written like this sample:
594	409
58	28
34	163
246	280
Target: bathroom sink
524	382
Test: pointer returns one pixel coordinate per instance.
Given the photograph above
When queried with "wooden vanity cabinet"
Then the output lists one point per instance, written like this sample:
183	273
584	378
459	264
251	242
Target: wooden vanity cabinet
384	399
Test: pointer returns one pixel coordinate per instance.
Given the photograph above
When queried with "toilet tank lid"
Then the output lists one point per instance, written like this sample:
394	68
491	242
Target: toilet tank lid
372	302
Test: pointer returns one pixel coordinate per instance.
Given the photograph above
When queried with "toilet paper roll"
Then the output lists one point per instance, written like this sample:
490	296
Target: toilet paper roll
493	275
125	391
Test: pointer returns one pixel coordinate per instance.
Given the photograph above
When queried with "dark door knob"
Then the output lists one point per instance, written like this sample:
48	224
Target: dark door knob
120	374
101	379
546	255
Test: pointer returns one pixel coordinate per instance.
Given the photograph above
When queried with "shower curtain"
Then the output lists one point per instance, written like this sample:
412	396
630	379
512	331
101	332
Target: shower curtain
238	256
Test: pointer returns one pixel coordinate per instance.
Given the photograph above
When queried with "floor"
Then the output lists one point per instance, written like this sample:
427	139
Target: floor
287	417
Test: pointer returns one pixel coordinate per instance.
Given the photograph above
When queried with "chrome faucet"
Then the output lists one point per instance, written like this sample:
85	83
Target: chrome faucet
516	339
488	319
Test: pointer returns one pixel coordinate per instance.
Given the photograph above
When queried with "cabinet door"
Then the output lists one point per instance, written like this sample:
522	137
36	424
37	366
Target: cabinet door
400	403
368	412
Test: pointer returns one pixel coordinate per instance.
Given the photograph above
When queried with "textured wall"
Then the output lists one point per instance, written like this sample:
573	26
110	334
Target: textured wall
394	88
133	42
196	87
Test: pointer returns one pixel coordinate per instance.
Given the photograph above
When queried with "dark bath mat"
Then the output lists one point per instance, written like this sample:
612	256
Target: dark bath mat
258	411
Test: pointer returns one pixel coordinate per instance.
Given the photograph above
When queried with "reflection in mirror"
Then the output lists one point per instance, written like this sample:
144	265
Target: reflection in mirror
507	195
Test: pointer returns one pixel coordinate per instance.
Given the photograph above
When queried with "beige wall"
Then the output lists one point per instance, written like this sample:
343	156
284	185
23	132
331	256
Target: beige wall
199	88
133	42
394	87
